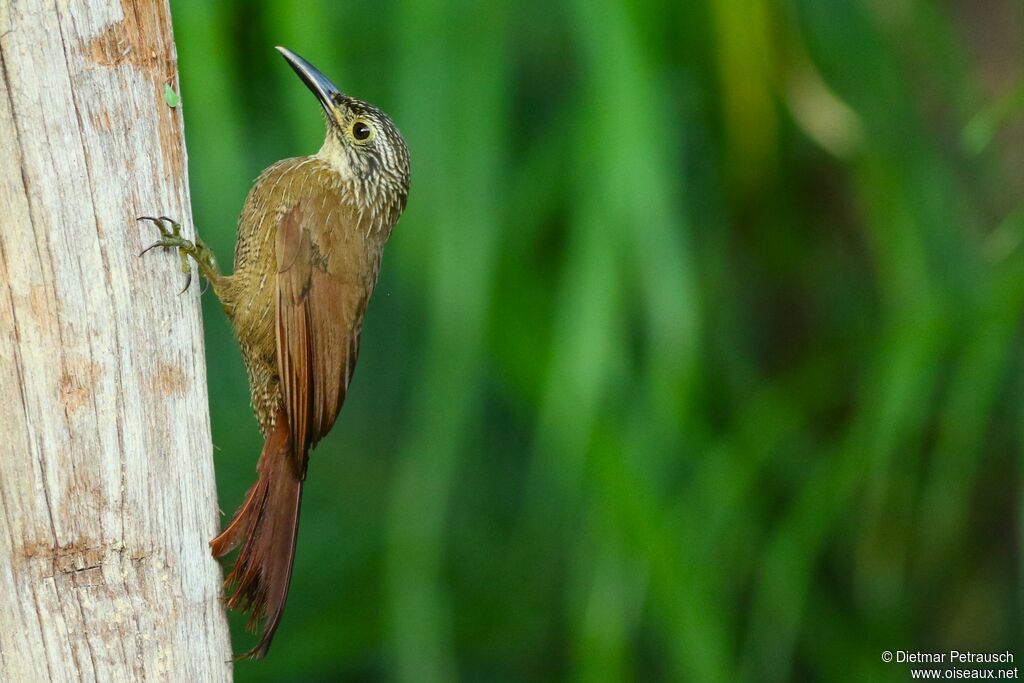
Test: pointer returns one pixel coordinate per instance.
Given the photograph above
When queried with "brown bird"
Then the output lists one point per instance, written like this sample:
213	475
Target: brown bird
310	238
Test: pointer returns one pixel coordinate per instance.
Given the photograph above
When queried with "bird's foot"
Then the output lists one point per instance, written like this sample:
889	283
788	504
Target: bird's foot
170	238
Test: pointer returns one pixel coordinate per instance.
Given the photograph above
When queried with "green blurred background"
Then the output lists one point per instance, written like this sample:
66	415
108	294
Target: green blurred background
696	355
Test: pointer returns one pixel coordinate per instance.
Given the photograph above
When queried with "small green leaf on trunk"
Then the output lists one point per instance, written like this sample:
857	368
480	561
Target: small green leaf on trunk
172	98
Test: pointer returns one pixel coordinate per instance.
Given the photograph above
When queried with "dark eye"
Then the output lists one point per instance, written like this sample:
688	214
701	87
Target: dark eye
361	130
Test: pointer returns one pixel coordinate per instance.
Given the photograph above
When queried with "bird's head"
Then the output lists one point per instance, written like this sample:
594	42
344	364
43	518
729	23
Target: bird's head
362	143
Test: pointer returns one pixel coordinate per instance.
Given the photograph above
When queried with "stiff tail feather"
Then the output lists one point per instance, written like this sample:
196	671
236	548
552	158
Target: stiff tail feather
266	526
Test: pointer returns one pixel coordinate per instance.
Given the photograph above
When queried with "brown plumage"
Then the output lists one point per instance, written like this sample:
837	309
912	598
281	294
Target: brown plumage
309	246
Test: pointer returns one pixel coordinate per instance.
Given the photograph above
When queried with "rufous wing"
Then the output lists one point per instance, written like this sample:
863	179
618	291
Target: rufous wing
319	319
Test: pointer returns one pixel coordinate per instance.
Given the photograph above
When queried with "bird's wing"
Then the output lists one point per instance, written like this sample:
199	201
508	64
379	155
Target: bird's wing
319	320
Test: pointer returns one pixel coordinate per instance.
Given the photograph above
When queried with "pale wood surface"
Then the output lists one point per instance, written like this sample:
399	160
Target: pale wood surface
107	495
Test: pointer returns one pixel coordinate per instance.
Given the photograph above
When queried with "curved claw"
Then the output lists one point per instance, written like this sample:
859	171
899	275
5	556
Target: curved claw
158	222
188	282
150	247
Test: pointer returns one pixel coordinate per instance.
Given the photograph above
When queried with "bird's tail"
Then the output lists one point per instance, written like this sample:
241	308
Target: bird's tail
266	526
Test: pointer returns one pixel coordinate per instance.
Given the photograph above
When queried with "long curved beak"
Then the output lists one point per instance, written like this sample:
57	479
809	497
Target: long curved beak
321	86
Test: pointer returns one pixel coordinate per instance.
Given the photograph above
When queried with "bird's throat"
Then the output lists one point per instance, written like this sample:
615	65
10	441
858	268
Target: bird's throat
334	154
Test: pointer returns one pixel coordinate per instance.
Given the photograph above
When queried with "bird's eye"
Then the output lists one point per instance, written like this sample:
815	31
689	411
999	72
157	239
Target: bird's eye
361	130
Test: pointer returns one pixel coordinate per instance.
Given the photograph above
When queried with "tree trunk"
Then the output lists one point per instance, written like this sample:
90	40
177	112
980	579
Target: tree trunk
107	495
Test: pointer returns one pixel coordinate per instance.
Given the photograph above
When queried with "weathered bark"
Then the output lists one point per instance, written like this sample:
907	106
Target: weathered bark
107	495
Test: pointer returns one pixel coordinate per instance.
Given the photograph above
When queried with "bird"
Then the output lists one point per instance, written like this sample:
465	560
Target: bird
310	239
